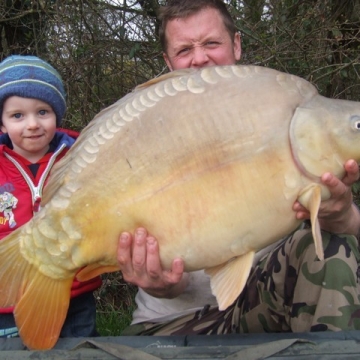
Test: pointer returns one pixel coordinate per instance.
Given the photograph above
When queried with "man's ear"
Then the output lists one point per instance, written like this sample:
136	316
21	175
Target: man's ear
168	63
237	46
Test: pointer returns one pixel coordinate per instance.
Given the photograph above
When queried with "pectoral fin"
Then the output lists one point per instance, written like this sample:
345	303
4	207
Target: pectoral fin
93	270
228	280
311	199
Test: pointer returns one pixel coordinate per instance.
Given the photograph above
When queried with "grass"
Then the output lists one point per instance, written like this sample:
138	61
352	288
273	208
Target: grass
115	305
356	193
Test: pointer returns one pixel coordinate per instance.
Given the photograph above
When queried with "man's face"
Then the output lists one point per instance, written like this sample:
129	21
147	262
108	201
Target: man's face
200	40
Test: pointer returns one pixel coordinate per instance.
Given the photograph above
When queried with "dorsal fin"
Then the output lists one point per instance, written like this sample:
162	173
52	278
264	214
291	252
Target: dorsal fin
170	75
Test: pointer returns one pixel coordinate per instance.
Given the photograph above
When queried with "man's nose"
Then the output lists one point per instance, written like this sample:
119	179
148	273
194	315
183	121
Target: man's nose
200	57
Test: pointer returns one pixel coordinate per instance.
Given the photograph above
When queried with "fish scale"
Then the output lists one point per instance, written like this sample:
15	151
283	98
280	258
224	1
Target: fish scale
210	161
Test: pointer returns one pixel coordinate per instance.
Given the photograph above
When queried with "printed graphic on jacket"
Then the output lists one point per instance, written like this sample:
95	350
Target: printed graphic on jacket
8	202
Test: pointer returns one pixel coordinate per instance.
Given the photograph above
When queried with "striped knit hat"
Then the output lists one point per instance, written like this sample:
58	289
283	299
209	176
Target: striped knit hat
31	77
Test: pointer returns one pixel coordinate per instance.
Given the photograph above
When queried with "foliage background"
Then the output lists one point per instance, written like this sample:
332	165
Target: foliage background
104	48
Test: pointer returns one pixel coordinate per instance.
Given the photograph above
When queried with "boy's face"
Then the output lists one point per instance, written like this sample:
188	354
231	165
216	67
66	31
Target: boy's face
30	124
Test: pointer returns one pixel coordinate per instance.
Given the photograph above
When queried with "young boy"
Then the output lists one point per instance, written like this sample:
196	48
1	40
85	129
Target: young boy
32	105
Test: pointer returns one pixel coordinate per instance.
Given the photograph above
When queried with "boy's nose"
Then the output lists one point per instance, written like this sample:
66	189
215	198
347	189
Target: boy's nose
32	122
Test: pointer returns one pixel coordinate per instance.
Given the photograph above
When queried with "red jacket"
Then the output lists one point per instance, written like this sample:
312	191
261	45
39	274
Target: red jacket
20	191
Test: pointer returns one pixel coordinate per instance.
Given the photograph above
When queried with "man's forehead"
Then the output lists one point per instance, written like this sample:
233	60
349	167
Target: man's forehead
203	13
193	28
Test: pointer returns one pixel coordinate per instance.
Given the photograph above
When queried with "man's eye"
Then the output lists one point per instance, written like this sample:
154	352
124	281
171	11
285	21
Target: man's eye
183	51
211	43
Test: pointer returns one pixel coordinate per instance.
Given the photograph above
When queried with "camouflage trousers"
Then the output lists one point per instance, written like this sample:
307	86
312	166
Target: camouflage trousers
289	290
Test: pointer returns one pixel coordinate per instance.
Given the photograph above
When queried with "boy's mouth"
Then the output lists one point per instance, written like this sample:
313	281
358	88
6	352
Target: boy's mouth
34	137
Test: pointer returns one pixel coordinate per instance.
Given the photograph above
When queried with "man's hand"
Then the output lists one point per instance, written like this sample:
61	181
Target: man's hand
338	214
139	261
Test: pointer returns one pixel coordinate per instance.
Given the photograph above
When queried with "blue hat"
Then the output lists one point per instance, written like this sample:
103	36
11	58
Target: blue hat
31	77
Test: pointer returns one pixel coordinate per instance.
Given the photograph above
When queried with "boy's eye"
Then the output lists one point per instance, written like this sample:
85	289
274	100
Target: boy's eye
17	116
42	112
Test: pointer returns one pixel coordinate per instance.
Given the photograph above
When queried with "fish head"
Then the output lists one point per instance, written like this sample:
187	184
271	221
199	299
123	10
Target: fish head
324	134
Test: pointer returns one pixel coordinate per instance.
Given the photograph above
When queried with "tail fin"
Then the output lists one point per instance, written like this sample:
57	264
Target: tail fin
41	310
12	269
41	303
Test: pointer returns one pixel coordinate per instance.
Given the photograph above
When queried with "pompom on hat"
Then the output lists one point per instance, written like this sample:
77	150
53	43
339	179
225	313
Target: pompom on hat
30	77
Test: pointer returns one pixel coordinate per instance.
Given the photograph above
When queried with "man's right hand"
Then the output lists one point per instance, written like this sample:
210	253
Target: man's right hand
139	260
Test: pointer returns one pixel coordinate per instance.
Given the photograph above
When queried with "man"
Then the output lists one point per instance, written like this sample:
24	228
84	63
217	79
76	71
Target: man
195	34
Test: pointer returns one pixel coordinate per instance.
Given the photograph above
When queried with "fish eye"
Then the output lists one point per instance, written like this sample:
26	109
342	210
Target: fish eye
355	120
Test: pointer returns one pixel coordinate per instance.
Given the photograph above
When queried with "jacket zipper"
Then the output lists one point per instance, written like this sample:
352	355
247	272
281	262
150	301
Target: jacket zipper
36	191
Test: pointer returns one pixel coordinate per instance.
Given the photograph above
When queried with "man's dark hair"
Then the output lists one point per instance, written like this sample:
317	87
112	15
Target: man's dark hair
175	9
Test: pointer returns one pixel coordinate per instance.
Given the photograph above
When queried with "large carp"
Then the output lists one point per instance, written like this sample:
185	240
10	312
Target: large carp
209	161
